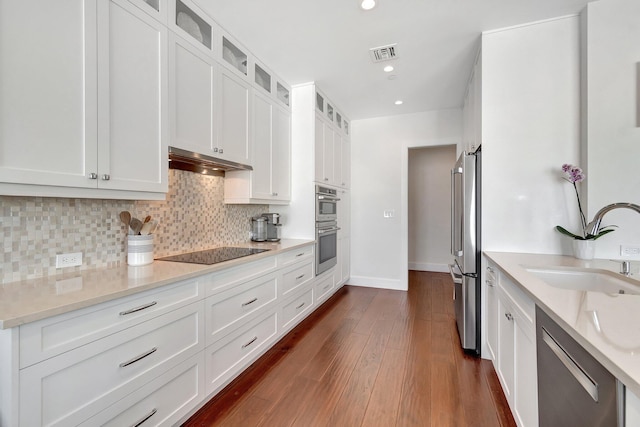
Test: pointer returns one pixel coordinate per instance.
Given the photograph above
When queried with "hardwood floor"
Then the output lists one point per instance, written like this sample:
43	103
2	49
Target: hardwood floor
368	357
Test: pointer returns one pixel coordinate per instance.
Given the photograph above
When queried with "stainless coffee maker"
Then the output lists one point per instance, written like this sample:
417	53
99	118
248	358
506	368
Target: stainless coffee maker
273	226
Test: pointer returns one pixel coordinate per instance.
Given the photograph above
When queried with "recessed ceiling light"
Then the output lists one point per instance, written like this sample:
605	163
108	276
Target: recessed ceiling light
398	102
367	4
388	69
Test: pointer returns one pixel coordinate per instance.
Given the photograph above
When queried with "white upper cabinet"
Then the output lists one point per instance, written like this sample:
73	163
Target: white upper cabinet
48	106
332	152
270	180
189	21
132	99
233	118
234	56
472	110
193	92
86	107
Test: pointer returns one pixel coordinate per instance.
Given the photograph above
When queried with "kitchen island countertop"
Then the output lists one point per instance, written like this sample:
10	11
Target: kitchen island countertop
30	300
612	335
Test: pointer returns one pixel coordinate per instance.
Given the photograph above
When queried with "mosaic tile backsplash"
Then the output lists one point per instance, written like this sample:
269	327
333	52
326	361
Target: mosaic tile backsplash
194	217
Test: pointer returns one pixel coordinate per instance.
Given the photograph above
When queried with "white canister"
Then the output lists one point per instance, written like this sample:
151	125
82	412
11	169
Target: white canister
140	250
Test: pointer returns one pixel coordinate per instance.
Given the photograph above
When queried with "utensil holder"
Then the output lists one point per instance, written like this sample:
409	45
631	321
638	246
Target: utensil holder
140	250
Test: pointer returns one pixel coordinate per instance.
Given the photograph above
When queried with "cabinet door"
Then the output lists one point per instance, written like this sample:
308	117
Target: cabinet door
132	95
319	149
492	312
525	401
345	265
346	163
281	154
233	129
328	156
48	87
337	159
262	140
506	366
192	90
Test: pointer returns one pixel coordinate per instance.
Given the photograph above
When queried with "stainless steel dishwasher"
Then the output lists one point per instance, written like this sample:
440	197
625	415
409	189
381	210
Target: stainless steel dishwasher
574	389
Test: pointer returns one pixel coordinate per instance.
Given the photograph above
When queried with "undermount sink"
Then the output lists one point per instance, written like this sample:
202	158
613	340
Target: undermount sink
586	279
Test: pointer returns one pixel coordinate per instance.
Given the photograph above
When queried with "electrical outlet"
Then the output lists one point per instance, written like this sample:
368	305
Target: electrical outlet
388	213
629	250
68	260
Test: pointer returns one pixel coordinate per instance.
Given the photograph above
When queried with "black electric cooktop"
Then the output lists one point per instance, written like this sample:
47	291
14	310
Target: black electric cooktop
213	256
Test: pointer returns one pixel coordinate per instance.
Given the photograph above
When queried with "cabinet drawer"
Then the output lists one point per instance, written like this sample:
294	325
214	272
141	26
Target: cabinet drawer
49	337
163	401
227	357
323	288
294	311
296	277
73	386
234	276
226	309
519	300
295	255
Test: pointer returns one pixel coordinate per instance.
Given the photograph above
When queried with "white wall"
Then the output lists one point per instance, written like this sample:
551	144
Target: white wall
530	127
379	182
613	118
430	207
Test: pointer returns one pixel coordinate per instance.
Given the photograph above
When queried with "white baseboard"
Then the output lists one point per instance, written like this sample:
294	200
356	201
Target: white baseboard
377	282
426	266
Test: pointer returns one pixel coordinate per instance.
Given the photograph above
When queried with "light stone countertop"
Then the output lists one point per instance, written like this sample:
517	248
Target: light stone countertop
612	336
30	300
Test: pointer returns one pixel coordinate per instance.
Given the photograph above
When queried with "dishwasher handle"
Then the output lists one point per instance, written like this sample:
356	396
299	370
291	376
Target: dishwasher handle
590	386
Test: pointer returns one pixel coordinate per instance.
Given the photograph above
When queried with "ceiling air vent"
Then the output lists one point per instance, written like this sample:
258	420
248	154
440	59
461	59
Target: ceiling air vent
383	53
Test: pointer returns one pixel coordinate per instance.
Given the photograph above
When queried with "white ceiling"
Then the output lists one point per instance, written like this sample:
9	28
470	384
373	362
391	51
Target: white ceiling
328	41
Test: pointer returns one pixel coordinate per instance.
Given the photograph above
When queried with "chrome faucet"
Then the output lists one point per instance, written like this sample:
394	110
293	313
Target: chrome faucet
594	226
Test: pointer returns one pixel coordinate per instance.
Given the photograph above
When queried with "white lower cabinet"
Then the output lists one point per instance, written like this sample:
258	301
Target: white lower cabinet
69	388
156	356
163	401
226	358
324	287
511	334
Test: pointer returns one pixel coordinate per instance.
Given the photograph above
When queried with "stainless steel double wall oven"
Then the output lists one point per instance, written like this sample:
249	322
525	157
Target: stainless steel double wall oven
326	228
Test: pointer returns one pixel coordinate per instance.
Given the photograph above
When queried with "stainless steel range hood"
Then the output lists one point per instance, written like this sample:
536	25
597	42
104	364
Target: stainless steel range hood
203	164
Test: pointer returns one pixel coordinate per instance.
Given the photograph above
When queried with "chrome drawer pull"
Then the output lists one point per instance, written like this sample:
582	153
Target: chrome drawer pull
326	287
300	254
578	373
489	282
250	342
299	277
300	306
137	358
142	307
244	304
145	418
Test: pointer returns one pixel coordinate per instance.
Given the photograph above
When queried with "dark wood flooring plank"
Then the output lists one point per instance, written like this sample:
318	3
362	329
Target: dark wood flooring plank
385	396
318	405
352	405
415	400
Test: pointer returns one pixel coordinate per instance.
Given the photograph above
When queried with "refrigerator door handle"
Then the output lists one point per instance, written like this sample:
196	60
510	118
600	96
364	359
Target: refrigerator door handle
454	195
457	278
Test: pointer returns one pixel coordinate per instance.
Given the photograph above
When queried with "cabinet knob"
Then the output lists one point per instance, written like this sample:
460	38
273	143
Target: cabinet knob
490	270
106	177
326	179
215	149
93	175
221	151
490	282
509	316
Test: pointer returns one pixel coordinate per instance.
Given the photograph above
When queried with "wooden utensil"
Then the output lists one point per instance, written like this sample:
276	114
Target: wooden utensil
147	219
136	226
125	217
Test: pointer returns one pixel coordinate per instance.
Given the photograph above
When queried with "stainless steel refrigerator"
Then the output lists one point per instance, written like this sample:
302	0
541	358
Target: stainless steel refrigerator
465	247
